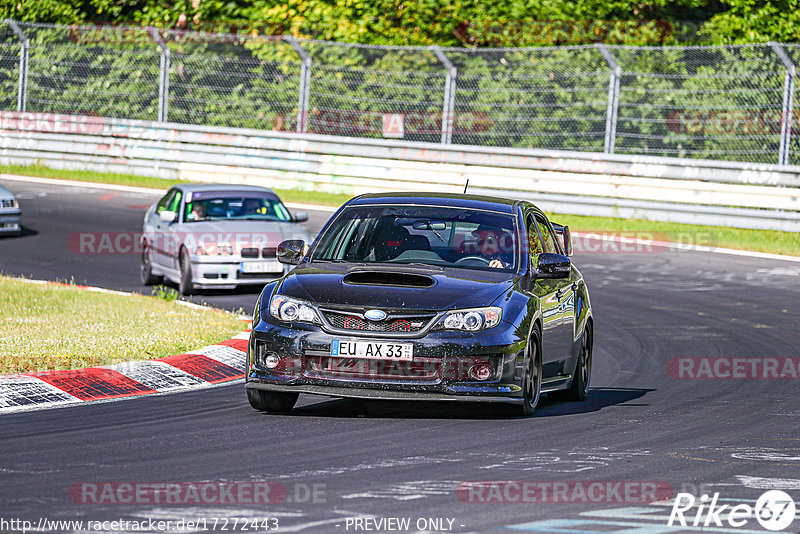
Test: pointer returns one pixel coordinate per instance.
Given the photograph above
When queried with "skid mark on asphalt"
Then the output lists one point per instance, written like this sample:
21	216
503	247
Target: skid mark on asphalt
568	461
409	491
346	469
763	483
788	456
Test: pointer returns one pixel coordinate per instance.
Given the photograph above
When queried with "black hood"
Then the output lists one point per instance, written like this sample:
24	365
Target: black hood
395	286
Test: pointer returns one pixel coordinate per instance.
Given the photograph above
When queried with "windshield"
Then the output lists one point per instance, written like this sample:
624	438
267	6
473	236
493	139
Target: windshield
235	205
451	237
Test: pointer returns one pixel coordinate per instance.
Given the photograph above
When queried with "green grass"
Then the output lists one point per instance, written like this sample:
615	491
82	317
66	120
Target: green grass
51	327
770	241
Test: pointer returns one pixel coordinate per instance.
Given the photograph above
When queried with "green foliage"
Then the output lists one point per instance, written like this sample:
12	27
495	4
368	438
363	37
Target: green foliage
166	293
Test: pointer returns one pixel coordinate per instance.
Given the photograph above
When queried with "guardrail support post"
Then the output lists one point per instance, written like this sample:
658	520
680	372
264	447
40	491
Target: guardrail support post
448	105
163	76
613	98
24	54
786	108
305	84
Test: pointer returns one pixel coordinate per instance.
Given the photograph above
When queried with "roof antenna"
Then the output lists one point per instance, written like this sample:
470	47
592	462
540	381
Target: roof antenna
466	185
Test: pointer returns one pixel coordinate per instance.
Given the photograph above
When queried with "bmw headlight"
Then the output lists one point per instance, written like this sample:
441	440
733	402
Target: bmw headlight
292	310
214	250
471	320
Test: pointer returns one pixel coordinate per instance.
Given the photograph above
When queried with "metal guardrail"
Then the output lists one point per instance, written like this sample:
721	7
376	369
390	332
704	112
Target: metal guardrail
666	189
734	102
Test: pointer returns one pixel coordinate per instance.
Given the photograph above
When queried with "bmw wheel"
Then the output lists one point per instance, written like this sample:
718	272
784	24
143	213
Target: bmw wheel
146	269
186	287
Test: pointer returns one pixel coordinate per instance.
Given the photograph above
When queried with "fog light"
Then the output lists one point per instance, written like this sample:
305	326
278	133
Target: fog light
482	371
272	361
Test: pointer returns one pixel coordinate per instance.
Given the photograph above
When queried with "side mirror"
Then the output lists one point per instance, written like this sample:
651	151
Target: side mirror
300	216
291	251
552	265
168	216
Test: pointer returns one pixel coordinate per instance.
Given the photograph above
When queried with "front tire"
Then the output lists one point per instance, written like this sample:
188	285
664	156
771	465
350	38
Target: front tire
185	287
271	401
532	378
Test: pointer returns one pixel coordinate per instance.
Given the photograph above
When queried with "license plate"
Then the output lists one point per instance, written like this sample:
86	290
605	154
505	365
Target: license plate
401	352
261	267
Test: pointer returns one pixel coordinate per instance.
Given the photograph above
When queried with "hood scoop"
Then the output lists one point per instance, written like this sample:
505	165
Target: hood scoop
384	278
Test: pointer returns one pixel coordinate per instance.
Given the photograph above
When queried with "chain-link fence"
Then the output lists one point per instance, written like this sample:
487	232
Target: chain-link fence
736	103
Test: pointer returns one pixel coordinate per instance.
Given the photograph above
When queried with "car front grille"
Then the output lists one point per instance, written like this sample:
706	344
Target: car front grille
6	203
252	252
398	324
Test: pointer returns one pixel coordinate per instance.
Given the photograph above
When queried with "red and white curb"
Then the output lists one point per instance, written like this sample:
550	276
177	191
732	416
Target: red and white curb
209	366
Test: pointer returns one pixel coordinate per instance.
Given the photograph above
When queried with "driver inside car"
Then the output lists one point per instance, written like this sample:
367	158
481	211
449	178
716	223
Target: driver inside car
495	245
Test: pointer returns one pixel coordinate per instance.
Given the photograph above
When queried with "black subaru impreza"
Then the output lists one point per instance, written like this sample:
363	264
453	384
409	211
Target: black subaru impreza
425	296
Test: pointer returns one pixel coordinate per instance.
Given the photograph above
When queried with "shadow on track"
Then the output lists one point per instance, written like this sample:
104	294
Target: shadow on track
599	398
24	231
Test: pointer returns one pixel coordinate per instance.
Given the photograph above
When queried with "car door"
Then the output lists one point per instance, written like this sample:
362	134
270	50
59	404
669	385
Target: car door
162	232
544	290
563	305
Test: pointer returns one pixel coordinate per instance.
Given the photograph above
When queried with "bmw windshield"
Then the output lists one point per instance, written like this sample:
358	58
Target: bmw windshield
237	205
447	237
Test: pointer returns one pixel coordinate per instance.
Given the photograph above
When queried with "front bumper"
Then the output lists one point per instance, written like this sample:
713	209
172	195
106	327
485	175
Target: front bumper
440	369
227	271
9	220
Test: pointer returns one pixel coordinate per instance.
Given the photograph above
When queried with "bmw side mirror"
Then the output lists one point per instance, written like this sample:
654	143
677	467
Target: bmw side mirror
552	265
291	251
300	216
168	216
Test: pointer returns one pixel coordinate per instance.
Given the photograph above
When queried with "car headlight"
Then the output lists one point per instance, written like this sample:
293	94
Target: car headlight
214	250
292	310
471	320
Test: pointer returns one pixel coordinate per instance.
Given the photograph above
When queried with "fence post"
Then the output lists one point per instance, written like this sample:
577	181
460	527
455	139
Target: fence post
24	53
305	84
163	76
449	101
613	98
786	108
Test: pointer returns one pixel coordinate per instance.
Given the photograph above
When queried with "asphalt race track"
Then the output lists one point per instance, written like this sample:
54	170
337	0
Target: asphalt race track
339	460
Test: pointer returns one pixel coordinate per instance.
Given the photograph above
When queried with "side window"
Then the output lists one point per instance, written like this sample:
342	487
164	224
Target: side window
165	201
548	239
534	243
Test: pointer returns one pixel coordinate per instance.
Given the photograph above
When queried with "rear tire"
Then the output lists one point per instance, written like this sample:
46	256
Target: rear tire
146	269
185	287
271	401
532	378
579	389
